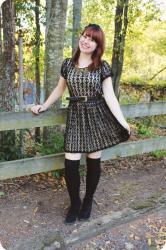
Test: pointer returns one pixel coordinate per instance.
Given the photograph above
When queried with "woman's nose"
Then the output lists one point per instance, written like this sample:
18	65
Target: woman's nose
86	40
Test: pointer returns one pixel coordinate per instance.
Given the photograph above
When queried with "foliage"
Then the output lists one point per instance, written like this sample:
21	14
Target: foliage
55	145
12	148
134	90
145	27
97	11
2	194
145	41
146	126
25	21
159	153
158	38
144	130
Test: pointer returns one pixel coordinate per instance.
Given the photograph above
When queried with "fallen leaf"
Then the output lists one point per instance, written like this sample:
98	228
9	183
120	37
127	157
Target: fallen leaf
35	210
149	241
26	221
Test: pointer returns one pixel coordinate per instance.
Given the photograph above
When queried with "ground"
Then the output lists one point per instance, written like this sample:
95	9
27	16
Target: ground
36	205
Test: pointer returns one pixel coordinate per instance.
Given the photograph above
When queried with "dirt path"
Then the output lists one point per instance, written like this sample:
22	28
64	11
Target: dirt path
36	205
147	233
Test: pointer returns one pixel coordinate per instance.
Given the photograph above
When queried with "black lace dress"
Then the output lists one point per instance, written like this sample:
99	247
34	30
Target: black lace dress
90	126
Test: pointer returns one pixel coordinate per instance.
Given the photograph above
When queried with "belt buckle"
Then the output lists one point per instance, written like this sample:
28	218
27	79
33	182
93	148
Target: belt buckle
85	98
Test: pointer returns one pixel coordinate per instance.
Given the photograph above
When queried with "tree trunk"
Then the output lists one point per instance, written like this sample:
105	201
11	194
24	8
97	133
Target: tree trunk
1	60
8	54
37	58
1	68
77	7
8	73
54	43
48	14
121	22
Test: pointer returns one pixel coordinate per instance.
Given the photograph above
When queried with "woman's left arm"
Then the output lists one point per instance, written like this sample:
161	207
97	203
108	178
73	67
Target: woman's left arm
113	103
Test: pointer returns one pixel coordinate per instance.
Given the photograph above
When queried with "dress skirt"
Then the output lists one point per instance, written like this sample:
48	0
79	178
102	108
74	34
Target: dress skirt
92	127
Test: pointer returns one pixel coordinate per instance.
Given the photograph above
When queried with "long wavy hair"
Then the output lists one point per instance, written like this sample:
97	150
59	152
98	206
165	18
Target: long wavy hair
96	33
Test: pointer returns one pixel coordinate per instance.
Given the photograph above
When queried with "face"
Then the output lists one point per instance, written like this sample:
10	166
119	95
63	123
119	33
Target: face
87	44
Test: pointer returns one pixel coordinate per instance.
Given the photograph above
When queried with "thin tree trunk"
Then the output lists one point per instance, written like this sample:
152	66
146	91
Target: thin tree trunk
77	7
8	54
1	68
161	70
37	58
20	49
8	73
1	61
121	22
48	14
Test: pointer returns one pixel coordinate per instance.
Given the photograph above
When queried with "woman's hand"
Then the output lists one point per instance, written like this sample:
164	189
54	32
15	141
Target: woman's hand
38	109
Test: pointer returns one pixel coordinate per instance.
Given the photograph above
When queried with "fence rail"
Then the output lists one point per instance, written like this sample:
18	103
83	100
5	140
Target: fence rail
22	120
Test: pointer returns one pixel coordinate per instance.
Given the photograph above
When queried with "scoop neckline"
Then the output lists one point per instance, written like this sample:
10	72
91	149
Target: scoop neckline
81	67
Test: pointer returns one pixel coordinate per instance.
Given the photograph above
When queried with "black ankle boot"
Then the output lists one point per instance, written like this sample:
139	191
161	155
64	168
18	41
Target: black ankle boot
73	212
72	178
85	211
92	179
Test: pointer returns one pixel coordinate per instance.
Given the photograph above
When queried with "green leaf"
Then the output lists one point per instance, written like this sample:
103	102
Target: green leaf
2	194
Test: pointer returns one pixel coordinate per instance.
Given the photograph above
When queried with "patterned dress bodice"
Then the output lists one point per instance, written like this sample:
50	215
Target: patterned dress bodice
80	81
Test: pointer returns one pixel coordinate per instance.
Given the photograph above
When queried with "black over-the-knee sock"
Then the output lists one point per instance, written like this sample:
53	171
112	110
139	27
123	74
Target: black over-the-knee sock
72	178
92	177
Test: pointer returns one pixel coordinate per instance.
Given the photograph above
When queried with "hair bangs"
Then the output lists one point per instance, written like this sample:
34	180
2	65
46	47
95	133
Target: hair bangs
94	34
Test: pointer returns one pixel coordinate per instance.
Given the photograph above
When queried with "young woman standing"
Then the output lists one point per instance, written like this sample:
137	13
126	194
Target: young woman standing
94	118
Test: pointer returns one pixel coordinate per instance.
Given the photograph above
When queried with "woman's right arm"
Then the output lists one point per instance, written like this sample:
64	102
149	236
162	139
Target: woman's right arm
54	96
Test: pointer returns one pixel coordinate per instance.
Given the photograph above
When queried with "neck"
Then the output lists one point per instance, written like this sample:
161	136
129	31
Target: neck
83	58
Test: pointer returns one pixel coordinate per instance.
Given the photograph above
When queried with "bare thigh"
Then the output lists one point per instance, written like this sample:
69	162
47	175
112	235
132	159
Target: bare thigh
94	155
73	156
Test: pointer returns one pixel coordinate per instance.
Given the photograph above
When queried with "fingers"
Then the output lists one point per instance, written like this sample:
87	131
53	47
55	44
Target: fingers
40	110
37	109
129	131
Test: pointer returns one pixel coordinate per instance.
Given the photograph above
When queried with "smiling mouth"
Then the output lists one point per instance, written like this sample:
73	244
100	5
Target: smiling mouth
84	46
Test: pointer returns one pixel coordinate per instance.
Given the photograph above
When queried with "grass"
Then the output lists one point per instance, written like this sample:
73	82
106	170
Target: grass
159	153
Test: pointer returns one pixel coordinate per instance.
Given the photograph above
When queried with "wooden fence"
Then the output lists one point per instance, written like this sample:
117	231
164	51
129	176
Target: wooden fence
22	120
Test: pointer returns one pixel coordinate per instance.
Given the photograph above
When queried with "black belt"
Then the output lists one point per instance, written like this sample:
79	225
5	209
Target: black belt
83	98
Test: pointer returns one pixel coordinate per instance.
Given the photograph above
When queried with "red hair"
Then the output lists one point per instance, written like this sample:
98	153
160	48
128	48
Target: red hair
96	33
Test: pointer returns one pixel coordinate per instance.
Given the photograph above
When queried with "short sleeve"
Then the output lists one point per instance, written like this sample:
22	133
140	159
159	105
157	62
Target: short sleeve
106	70
64	68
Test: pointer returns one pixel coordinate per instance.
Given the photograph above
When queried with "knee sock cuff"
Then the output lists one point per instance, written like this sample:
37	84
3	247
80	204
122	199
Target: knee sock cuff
93	160
71	162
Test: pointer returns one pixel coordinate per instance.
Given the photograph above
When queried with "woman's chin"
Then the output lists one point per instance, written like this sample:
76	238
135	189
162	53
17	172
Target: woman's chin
85	51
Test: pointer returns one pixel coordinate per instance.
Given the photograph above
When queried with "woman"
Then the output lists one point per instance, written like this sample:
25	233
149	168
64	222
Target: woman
94	117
